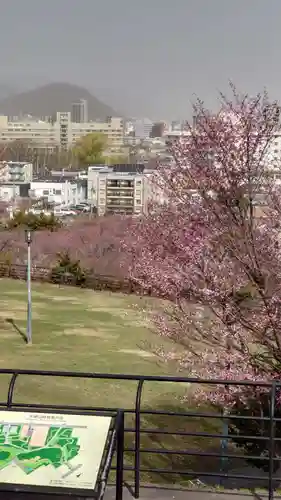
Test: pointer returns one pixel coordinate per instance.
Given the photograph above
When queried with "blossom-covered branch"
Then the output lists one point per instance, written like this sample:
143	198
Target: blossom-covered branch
213	249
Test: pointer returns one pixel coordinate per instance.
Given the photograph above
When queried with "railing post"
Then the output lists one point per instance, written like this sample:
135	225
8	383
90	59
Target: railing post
137	440
224	446
11	389
271	441
120	456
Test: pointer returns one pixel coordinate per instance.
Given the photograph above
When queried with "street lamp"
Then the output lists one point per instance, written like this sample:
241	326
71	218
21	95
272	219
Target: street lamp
28	240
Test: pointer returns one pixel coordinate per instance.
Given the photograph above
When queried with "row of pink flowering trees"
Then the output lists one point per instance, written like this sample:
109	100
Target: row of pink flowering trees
95	243
214	254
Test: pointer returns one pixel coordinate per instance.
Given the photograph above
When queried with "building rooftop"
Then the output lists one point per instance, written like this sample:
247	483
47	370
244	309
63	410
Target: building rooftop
132	168
59	180
14	183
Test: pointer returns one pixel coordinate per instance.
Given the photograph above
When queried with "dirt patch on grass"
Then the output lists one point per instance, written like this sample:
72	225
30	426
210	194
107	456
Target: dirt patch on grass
102	302
127	315
61	298
42	295
43	351
17	314
38	298
138	352
87	332
19	305
8	334
102	309
13	305
129	321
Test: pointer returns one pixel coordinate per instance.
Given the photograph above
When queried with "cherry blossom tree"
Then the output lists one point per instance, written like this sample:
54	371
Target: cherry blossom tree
213	249
96	243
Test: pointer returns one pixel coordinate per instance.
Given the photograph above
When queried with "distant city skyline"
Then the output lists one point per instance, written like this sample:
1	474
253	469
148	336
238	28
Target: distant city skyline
144	58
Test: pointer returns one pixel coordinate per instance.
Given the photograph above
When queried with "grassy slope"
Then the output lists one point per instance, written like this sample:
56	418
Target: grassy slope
82	330
77	330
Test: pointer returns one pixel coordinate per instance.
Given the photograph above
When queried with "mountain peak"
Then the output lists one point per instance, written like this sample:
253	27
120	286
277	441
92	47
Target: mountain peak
46	100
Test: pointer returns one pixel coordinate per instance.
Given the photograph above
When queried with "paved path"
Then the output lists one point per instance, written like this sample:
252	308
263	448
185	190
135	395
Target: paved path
158	494
167	493
172	494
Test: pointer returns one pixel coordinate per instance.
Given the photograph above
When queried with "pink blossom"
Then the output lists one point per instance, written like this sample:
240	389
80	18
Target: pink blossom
96	243
211	254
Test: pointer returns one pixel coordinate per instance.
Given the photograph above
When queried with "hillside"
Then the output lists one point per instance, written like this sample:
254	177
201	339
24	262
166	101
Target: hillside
46	100
7	90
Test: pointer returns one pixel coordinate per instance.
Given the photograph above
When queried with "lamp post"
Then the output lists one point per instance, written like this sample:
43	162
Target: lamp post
28	240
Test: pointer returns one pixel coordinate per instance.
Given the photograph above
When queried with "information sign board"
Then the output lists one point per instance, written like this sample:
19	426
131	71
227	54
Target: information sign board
52	449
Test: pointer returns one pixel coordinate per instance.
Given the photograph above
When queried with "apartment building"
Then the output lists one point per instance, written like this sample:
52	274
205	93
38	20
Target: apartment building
14	190
121	189
117	189
15	179
61	132
17	172
120	194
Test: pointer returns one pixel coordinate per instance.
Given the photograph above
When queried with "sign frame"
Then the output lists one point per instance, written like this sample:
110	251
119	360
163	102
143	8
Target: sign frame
114	443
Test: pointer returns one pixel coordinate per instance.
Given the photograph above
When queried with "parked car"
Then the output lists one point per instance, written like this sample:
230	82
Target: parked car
80	207
64	212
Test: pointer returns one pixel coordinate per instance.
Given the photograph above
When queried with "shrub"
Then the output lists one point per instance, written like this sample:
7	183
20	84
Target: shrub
33	221
245	432
68	270
6	261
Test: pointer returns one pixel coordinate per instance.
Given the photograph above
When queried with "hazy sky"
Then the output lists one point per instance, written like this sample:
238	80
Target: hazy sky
146	57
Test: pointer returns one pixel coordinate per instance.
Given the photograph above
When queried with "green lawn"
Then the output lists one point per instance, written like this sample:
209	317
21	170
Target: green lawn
83	330
78	330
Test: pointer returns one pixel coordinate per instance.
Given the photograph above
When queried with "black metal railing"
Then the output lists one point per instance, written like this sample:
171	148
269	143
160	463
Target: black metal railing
185	444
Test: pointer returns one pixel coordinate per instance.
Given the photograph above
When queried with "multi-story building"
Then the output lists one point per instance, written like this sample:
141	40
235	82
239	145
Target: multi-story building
38	132
142	128
158	129
113	128
60	133
64	125
122	194
171	135
116	189
177	126
15	172
79	111
59	191
14	190
122	189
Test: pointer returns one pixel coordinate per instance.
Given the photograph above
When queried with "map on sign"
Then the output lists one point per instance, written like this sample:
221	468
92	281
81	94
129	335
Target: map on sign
48	449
